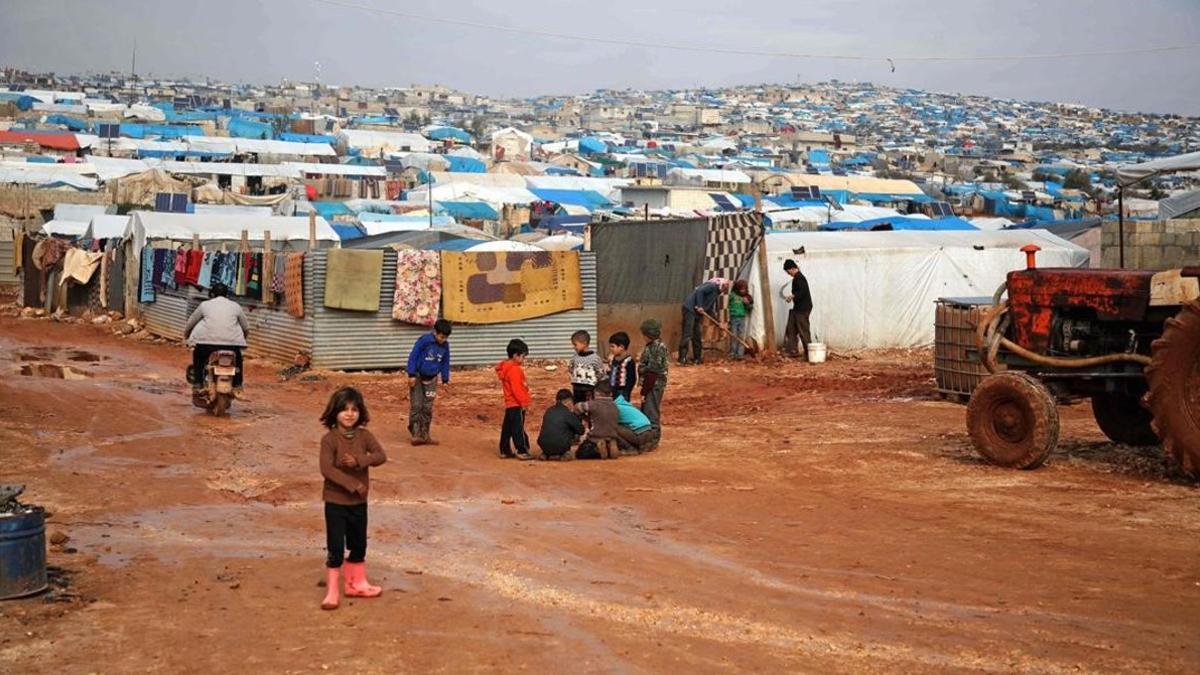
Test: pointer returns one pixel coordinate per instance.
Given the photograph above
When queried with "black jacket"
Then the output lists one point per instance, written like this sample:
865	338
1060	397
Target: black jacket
802	299
560	426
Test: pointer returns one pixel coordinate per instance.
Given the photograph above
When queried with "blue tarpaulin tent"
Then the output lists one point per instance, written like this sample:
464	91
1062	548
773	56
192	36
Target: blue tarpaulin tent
328	210
347	231
590	145
470	210
240	128
589	199
306	138
465	164
71	123
902	223
448	133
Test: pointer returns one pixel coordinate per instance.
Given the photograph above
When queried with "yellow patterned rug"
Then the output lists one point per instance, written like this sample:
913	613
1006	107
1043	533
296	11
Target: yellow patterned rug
502	287
352	279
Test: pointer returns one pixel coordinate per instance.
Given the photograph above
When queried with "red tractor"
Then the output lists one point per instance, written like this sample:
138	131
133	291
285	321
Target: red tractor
1128	340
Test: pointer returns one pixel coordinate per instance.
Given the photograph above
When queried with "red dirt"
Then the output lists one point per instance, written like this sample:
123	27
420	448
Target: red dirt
816	518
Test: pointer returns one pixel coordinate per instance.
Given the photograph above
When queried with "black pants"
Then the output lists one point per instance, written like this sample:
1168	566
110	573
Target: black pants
200	355
797	330
690	334
512	433
345	528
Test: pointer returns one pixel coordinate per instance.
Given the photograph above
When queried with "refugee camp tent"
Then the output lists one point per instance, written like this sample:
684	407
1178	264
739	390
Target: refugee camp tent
106	227
877	289
1131	173
1180	205
152	225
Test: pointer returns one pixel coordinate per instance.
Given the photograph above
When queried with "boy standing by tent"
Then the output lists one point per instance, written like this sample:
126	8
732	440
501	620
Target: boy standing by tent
429	359
653	365
516	400
797	323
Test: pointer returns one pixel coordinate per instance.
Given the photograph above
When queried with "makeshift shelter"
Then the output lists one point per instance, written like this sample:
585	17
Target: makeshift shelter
877	289
141	188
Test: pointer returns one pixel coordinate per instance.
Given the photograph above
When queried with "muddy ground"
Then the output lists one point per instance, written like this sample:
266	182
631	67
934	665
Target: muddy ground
796	518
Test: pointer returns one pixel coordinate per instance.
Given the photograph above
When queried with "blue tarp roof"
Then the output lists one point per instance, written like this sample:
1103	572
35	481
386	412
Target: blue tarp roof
470	210
163	131
347	231
328	210
443	133
903	223
240	128
589	199
71	123
590	145
306	138
465	164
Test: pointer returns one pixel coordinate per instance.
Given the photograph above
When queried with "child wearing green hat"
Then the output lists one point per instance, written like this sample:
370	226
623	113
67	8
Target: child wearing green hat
653	367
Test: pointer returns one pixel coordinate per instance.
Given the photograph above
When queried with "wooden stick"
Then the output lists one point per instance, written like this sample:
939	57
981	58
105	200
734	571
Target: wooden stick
764	278
195	241
245	245
268	272
312	230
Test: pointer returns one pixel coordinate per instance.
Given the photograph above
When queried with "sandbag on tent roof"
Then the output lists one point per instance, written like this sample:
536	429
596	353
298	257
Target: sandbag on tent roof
146	225
877	289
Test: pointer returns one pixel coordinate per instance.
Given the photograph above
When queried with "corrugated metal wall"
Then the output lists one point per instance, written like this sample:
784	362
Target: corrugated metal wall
273	332
7	277
346	340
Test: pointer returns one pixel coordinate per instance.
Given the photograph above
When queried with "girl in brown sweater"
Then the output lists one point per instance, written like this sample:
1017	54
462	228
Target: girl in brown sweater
347	453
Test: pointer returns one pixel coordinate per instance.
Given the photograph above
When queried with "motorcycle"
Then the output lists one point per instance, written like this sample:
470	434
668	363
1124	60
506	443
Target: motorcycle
217	395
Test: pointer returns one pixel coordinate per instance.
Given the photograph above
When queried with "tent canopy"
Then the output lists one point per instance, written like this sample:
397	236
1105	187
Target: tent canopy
877	289
1129	174
146	225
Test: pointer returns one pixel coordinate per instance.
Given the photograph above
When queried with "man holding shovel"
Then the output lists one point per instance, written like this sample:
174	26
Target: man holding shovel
703	300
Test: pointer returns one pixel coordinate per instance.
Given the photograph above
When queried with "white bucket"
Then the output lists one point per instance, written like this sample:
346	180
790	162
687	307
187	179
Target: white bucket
816	352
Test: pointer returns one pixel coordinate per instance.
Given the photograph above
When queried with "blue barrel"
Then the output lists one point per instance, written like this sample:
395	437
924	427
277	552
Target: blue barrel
22	553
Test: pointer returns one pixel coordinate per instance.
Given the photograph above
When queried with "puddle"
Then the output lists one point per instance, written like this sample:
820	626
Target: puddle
76	355
53	371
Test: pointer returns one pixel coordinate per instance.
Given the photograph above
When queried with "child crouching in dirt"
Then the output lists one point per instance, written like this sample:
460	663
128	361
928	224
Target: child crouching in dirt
561	428
348	451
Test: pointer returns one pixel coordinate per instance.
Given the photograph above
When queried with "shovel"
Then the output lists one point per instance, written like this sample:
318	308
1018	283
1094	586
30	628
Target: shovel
750	345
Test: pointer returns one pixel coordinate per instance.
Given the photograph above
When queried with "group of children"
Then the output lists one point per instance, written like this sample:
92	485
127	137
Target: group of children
594	419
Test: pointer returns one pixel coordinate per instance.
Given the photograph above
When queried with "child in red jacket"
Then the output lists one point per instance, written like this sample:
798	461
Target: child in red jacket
516	400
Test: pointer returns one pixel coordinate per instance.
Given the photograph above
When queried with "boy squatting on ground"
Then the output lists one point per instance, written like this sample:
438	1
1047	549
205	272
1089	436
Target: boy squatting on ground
586	367
429	359
653	365
603	415
634	430
622	374
516	400
561	428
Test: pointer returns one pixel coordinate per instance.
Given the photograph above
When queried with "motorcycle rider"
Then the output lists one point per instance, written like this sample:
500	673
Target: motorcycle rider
218	323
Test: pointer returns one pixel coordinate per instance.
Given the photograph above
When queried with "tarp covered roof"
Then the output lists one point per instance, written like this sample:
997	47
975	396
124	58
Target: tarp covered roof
181	226
1132	173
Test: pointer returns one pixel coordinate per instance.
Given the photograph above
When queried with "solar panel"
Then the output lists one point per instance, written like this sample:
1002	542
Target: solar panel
179	203
806	193
162	202
108	130
722	201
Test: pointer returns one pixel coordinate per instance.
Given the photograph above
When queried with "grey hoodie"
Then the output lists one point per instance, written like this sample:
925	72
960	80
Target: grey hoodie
218	321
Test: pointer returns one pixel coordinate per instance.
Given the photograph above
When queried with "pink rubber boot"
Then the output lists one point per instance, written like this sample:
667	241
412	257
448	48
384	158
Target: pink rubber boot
332	581
356	582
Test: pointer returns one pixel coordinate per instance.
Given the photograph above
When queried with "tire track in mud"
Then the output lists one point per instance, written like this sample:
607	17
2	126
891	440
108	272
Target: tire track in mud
460	527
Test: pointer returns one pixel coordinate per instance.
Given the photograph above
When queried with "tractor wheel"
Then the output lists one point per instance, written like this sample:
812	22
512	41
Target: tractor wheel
1013	420
1174	379
1123	419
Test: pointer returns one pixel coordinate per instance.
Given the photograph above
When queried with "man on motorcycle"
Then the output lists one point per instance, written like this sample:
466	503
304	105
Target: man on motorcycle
218	323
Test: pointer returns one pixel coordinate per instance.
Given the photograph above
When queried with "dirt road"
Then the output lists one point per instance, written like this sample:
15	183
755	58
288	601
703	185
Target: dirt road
805	518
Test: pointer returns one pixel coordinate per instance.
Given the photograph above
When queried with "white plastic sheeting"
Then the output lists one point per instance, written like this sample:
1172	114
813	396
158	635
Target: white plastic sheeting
373	143
181	226
1132	173
43	177
504	245
65	228
877	289
1178	205
107	227
335	169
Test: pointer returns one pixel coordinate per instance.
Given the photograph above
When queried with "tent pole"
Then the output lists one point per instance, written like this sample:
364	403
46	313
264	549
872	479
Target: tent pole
764	278
1121	227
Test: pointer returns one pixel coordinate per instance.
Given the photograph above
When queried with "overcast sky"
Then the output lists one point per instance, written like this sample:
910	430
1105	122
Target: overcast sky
266	40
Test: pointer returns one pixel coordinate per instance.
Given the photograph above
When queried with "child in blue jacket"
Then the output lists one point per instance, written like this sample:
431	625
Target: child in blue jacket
428	360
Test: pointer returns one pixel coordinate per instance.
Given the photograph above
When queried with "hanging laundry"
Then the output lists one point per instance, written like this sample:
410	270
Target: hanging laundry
254	276
165	265
204	280
239	277
277	284
180	267
294	284
146	281
194	259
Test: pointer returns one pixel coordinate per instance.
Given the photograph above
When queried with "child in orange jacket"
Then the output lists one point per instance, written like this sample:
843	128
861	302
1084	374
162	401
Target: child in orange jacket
516	400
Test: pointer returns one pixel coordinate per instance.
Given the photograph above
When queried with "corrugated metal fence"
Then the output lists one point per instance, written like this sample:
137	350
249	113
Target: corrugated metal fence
348	340
7	276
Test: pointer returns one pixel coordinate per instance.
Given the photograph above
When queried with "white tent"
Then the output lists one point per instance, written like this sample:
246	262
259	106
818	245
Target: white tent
1132	173
146	225
65	228
372	143
107	227
504	245
877	289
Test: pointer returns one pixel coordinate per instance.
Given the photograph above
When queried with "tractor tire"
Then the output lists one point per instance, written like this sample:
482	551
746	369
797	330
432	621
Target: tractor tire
1013	420
1174	395
1123	419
